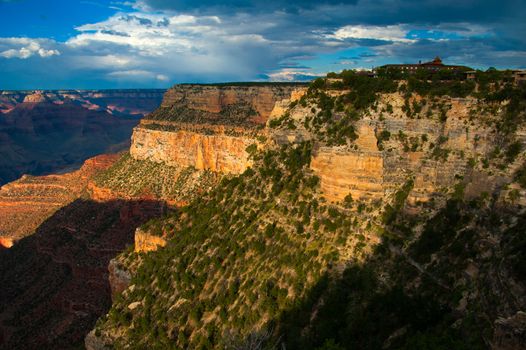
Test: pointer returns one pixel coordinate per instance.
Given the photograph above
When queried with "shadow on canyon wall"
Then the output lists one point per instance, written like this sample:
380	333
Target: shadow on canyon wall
54	284
413	296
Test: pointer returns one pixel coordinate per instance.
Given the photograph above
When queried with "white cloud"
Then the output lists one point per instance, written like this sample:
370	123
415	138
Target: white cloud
138	74
148	34
24	48
290	74
131	73
396	33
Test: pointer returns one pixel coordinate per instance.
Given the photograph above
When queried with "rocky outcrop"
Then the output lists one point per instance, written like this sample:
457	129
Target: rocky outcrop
342	173
119	278
432	152
207	127
214	99
37	97
146	242
219	152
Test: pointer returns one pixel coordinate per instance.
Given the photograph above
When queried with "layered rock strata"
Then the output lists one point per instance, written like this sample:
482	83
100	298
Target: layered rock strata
219	152
432	152
216	98
26	203
207	127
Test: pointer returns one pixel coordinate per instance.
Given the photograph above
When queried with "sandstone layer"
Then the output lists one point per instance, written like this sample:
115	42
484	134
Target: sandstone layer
214	99
433	153
220	152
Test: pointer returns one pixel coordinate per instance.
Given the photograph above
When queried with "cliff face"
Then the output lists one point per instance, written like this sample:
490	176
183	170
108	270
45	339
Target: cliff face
215	99
146	242
219	152
432	151
206	127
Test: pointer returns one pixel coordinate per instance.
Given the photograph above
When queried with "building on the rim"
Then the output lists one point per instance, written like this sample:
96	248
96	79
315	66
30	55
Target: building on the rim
519	76
434	65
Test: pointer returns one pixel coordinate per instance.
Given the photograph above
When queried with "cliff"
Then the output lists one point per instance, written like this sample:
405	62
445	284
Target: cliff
372	216
207	127
218	152
146	242
434	152
215	100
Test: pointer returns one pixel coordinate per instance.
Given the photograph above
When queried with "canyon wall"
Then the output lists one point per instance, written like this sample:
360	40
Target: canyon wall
433	153
220	152
126	102
207	127
215	98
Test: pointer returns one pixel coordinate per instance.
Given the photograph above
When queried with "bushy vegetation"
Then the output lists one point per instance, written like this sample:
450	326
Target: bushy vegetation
136	178
264	258
236	258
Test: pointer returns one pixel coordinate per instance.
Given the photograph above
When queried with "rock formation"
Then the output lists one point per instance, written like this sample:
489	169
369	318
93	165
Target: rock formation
207	127
217	152
217	98
26	203
146	242
118	277
44	132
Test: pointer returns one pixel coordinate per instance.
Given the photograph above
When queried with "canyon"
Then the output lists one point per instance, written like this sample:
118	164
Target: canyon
45	132
402	164
27	202
243	180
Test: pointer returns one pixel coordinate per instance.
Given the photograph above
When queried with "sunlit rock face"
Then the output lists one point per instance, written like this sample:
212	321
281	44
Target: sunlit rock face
146	242
369	172
215	99
221	153
207	127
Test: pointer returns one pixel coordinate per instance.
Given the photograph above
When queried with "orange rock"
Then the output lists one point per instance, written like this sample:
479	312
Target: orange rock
357	173
215	98
219	152
29	201
146	242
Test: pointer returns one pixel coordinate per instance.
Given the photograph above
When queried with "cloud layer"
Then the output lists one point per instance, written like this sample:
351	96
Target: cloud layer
151	43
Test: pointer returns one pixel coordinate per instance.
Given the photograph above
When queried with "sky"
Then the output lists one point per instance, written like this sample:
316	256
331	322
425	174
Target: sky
96	44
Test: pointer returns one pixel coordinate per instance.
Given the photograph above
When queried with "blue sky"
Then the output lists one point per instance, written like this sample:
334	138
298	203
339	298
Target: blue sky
156	43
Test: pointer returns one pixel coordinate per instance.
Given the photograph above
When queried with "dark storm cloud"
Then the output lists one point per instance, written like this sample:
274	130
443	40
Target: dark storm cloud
505	16
377	12
258	5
